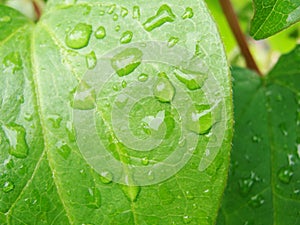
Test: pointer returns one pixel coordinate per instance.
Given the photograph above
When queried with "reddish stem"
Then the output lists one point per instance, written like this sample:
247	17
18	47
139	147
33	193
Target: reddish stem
37	10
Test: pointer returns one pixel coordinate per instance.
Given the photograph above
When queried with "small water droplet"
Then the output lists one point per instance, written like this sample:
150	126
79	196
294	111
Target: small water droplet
116	87
163	90
192	81
117	28
256	201
145	161
115	17
246	184
126	61
8	186
85	97
187	219
12	62
188	13
28	117
111	9
136	14
131	192
101	12
200	119
126	37
79	36
143	77
55	120
256	139
124	12
63	149
5	19
91	60
172	41
189	195
124	84
163	15
16	135
279	98
100	33
283	129
94	198
106	177
285	174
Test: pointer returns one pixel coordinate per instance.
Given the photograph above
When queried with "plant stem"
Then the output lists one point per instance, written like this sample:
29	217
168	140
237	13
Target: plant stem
239	36
37	10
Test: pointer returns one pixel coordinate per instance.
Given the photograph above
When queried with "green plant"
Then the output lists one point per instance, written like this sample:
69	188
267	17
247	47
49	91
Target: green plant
121	113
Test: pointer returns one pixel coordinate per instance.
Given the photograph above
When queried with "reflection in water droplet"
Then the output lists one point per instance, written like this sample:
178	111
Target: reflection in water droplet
143	77
163	15
85	97
55	120
63	149
187	219
100	33
126	37
192	81
285	174
91	60
256	201
79	36
136	12
131	192
5	19
106	177
16	135
94	198
200	119
188	13
172	41
126	61
12	62
163	90
8	186
124	12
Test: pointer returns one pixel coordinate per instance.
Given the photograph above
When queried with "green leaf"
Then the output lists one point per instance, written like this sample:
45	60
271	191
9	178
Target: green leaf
264	179
272	16
92	87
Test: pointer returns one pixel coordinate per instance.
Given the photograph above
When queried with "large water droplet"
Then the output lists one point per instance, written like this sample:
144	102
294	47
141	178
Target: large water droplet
94	198
143	77
100	33
192	81
256	201
200	119
79	36
106	177
188	13
126	61
131	192
8	186
85	98
12	62
163	90
63	149
16	135
136	14
285	174
91	60
172	41
163	15
126	37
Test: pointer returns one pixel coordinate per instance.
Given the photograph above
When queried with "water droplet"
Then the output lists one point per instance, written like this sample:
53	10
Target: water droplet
146	128
188	13
5	19
279	98
94	198
91	60
101	12
63	149
285	174
246	184
87	10
256	201
85	97
136	14
124	84
172	41
111	9
283	129
124	12
116	87
200	119
16	136
192	81
256	139
126	37
189	195
79	36
8	186
55	120
163	15
187	219
106	177
126	61
143	77
12	62
163	90
131	192
145	161
115	17
182	142
100	33
28	117
117	28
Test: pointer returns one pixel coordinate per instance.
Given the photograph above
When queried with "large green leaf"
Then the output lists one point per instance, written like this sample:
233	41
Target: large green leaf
272	16
65	86
264	180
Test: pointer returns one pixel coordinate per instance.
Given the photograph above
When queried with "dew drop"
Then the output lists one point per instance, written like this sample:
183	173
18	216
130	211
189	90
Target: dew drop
124	84
126	37
172	41
85	97
188	13
5	19
63	149
145	161
12	62
246	184
116	87
100	33
189	195
199	119
17	141
117	28
256	201
115	17
131	192
126	61
285	174
79	36
91	60
136	14
8	186
106	177
163	90
111	9
187	219
146	128
101	12
28	117
143	77
94	198
256	139
163	15
55	120
283	129
192	81
124	12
